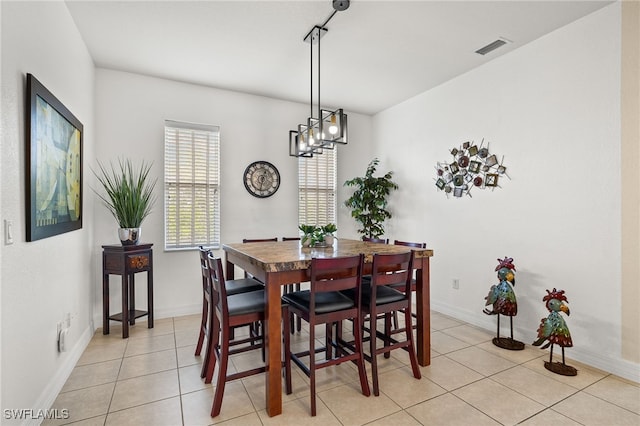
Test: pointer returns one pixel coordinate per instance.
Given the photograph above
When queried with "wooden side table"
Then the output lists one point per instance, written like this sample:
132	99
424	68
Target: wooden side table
126	261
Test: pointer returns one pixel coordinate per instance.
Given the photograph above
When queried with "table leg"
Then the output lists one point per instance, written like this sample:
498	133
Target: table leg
423	313
132	299
150	296
105	303
125	306
273	313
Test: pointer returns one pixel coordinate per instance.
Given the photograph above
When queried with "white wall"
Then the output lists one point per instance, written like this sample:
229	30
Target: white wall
130	114
42	280
552	109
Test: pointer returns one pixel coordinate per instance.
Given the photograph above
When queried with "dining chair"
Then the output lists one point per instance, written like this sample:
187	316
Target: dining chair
233	311
207	328
376	240
379	298
413	280
291	288
324	303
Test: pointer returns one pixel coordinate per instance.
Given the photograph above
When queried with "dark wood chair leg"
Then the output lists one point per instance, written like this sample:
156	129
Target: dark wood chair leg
222	374
287	350
203	325
412	348
209	364
312	367
373	331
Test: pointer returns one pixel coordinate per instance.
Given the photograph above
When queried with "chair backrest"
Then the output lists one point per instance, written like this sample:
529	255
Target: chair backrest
204	267
259	240
216	277
392	270
410	244
290	238
335	274
376	240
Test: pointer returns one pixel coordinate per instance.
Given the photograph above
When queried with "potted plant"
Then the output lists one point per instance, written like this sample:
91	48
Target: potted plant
368	203
307	233
129	196
328	230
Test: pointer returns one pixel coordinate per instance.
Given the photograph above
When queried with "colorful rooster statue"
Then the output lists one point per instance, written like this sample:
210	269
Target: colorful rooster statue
554	330
503	300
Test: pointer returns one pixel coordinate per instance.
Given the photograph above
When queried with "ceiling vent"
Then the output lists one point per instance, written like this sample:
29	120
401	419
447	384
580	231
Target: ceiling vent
492	46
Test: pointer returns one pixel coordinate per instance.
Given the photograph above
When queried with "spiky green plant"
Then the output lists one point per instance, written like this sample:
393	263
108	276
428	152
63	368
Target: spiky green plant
368	203
129	191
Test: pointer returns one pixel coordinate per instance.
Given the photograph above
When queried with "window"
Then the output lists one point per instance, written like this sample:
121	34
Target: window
317	189
191	185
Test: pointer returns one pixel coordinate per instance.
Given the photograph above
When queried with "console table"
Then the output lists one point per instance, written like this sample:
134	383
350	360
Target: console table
126	261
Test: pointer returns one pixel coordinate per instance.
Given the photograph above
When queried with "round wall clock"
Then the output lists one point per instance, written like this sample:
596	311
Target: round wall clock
261	179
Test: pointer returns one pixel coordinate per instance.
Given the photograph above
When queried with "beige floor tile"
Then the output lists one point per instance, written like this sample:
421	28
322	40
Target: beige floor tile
480	360
251	419
141	328
618	391
255	386
103	352
449	410
141	365
145	345
144	389
444	343
405	390
351	407
536	386
92	375
83	404
527	354
441	321
190	380
400	418
586	375
549	417
93	421
449	374
187	322
469	334
196	406
498	402
592	411
298	412
186	356
187	338
160	413
332	377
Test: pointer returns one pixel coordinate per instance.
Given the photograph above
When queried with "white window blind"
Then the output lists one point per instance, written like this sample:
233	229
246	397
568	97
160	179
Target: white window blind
191	185
317	189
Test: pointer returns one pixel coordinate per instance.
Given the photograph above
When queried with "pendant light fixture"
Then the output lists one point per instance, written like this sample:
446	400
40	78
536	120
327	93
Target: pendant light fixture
324	128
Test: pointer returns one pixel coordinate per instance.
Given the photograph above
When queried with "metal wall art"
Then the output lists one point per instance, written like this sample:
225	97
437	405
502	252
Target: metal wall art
502	299
553	329
472	166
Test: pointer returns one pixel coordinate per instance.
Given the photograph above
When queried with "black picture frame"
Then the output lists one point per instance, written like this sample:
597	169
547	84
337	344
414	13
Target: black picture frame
54	166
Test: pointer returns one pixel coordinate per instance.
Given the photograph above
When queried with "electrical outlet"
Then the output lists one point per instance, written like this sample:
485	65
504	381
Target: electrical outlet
455	283
67	319
8	232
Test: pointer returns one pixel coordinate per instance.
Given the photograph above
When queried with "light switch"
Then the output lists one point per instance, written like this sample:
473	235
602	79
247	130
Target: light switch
8	232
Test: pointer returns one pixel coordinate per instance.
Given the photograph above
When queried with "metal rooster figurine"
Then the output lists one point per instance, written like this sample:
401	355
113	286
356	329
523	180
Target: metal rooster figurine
503	300
554	330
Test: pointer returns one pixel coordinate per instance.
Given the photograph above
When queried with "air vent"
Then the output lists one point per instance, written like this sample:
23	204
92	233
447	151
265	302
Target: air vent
491	46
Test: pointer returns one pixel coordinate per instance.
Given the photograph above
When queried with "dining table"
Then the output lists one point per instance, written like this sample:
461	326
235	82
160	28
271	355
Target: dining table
287	262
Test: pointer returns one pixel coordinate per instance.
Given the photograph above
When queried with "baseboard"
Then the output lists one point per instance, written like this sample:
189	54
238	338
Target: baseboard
53	388
614	365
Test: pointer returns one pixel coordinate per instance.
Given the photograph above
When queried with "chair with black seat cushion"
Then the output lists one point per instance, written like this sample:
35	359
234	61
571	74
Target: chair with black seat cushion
413	281
290	288
324	303
379	298
232	287
233	311
376	240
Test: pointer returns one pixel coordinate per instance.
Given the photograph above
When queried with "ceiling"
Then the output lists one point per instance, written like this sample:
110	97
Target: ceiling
376	53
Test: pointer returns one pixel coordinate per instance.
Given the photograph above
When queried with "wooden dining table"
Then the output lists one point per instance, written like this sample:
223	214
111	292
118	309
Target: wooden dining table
287	262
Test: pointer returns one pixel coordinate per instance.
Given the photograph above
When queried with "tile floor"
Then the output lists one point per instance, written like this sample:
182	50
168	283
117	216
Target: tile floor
153	378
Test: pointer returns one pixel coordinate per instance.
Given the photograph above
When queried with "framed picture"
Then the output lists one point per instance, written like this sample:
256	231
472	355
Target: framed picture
54	165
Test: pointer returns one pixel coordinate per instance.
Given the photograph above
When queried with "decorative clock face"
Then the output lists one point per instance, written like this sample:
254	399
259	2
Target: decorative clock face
261	179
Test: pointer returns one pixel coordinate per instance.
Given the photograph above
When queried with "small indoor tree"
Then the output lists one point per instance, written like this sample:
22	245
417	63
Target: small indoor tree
368	203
